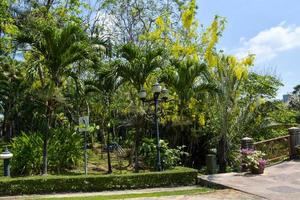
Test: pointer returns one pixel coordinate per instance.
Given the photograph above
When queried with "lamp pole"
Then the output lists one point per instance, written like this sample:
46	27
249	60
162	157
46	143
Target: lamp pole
156	89
158	164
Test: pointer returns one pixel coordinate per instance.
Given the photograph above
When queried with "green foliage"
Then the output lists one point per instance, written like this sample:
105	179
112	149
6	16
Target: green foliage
27	151
65	149
169	157
138	63
91	183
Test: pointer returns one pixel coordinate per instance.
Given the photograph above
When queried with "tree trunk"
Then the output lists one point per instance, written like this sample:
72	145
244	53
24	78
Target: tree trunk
108	154
136	149
45	154
46	139
222	153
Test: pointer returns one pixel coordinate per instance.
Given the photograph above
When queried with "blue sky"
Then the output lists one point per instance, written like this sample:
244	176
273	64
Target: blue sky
268	28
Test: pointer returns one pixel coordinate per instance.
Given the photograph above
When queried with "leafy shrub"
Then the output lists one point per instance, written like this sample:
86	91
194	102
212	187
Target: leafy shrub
55	184
27	151
169	157
65	149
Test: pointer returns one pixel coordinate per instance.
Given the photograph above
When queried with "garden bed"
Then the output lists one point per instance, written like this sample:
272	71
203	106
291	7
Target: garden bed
91	183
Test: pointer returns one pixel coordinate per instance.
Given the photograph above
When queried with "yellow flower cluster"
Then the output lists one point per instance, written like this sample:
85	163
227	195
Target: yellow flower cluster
161	27
180	50
189	14
210	38
239	71
249	60
193	108
240	68
160	22
201	119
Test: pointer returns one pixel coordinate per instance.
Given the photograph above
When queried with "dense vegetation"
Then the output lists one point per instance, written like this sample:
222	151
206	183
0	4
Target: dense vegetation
60	60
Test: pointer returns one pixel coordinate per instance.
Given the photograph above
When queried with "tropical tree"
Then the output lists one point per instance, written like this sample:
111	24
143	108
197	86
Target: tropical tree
187	78
294	101
57	50
13	88
135	66
228	75
105	82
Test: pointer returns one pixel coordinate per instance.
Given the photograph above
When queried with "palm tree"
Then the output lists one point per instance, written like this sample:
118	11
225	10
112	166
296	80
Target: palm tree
188	79
138	63
105	82
229	79
135	66
57	50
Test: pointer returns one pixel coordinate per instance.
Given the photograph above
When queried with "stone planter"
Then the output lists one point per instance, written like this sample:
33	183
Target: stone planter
257	170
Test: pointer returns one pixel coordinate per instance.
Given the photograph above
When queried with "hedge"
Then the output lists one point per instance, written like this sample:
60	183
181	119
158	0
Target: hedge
93	183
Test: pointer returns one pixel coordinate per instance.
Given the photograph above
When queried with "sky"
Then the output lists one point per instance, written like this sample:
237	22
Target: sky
270	29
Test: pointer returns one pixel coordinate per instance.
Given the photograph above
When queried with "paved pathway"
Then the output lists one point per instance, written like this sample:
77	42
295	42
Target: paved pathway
279	182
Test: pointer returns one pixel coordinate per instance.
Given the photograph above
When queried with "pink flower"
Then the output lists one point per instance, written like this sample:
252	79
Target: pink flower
262	163
247	151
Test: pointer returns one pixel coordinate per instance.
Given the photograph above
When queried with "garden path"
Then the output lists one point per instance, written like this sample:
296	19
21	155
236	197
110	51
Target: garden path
279	182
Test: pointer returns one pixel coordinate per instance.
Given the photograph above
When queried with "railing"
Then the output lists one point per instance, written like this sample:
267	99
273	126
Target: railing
276	149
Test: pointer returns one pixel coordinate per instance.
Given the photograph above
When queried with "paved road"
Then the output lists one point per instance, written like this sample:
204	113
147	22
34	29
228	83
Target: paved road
226	194
279	182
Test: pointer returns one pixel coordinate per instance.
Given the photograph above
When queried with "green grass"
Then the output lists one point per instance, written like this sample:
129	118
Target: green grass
199	190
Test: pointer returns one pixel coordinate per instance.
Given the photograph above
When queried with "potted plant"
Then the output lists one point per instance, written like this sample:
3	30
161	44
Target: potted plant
253	160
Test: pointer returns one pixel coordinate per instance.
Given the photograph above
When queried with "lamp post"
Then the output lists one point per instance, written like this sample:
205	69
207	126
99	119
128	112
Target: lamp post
6	156
157	91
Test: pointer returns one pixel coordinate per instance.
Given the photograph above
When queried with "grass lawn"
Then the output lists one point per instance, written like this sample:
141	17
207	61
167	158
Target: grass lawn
199	190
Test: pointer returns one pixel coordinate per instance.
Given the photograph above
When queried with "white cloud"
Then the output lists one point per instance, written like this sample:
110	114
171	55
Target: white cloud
268	43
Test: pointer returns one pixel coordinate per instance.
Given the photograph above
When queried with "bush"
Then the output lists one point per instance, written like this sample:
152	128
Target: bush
27	151
64	152
169	157
65	149
90	183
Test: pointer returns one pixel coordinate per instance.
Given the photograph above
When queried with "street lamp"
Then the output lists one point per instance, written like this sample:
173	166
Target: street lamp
157	91
6	156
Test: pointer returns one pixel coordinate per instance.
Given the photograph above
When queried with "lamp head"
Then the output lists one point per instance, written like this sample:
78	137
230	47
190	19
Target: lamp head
143	94
156	88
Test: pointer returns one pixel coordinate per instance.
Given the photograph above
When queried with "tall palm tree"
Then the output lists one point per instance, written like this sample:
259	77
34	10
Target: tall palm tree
105	82
229	80
57	49
135	66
